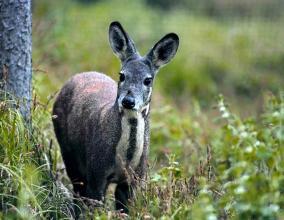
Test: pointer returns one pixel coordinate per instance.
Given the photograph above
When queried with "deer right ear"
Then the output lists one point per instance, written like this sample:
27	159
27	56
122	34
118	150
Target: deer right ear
120	42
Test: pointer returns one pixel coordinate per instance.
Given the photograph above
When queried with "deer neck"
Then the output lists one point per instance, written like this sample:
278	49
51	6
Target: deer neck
131	143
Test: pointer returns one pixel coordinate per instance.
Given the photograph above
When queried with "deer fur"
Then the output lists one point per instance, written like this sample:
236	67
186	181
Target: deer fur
102	126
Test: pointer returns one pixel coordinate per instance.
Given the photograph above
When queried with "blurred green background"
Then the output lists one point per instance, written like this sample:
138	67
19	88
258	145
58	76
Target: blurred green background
231	47
228	47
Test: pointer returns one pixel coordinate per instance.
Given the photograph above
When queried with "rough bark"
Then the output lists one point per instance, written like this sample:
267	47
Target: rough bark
15	52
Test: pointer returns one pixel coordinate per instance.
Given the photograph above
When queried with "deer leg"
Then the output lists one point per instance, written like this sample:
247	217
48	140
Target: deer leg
123	193
96	187
73	171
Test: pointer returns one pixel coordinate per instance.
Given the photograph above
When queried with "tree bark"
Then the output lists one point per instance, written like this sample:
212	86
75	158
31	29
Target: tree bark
16	51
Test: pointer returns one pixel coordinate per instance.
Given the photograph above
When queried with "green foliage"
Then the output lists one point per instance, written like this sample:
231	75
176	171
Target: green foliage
203	164
240	176
241	58
249	162
224	8
27	188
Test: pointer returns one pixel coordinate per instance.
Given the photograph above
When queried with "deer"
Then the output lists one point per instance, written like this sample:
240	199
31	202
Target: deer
102	126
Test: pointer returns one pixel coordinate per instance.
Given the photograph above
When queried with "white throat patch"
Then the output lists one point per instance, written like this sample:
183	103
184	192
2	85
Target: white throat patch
132	139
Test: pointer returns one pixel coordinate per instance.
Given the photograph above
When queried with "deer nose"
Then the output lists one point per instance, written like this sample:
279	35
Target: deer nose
128	102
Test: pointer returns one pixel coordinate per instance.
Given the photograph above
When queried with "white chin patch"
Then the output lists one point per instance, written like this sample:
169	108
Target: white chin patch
131	113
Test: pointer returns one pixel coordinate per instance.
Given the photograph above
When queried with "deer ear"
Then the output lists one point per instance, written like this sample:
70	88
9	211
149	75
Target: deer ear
164	50
120	42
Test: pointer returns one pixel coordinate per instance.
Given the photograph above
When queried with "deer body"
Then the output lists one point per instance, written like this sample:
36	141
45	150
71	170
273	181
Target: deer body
103	127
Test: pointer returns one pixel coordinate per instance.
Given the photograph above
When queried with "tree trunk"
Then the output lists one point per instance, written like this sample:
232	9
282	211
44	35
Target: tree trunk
15	52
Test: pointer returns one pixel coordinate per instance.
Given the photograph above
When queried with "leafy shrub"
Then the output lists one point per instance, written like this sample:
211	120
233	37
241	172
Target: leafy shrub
249	163
239	176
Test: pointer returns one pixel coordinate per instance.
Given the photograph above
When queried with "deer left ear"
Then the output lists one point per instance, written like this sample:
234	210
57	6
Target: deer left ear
164	50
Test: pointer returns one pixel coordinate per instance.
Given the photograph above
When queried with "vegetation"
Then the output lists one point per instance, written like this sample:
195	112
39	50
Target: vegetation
209	159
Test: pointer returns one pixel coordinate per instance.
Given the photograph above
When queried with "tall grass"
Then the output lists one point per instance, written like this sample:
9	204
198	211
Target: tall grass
205	163
28	188
240	174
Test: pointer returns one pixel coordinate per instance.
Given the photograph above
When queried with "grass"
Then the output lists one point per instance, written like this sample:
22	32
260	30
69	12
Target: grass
209	159
239	176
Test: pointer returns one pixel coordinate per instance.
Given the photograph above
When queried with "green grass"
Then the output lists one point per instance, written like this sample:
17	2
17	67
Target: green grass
209	159
238	174
27	187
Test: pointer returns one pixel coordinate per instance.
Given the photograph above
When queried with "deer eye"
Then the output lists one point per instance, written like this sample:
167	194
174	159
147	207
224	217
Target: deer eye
147	81
121	77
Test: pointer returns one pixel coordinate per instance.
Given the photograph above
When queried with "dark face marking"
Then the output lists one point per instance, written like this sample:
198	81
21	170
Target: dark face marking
132	139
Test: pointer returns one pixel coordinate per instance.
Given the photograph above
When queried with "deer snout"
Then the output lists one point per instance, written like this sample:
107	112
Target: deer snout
128	102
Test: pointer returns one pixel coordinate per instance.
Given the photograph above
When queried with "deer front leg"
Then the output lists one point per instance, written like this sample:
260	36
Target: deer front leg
96	187
125	190
123	193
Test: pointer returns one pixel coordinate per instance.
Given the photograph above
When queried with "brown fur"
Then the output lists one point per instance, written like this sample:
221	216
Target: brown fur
87	126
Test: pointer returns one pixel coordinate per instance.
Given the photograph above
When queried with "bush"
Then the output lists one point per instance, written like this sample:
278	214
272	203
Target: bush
242	176
239	174
249	163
